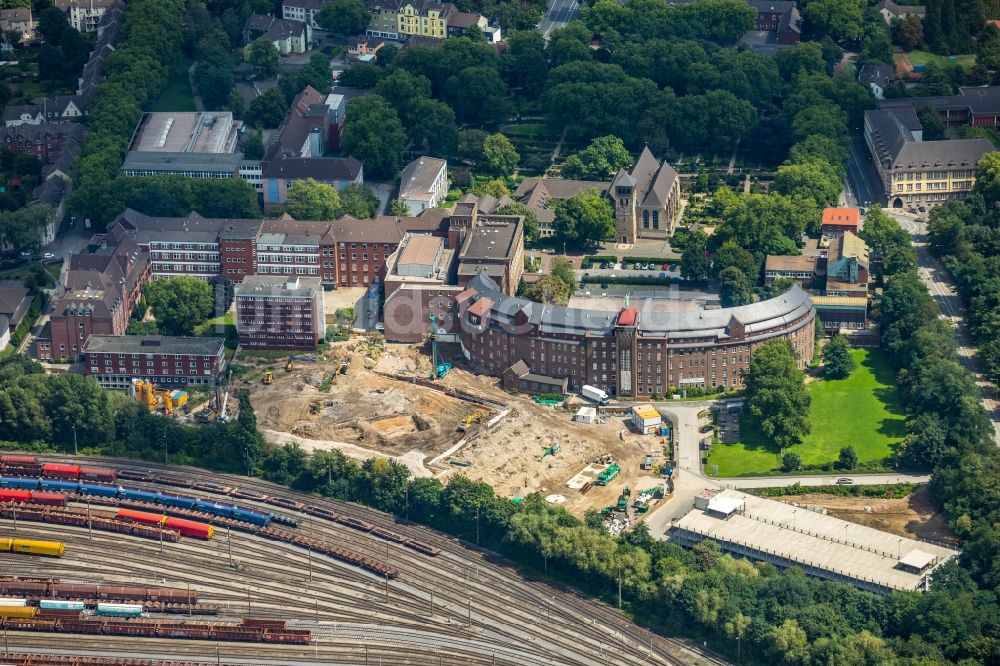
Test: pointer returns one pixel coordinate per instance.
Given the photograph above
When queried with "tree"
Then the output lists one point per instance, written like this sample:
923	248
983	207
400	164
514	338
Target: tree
909	33
179	304
837	359
599	161
530	219
51	63
374	134
343	17
730	254
586	218
235	103
734	288
524	63
500	154
478	95
315	73
776	393
694	258
263	57
840	19
268	110
790	462
432	123
309	199
253	145
399	208
848	458
934	127
550	289
359	201
563	269
52	23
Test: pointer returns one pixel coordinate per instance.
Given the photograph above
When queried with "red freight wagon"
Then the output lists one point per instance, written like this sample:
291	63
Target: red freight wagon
14	459
140	516
97	474
50	499
14	495
60	471
190	528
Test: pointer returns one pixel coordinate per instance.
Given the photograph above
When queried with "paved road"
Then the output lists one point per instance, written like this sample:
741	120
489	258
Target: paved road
559	13
689	479
938	281
863	184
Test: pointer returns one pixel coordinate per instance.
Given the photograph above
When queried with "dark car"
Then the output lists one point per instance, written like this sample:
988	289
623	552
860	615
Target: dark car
604	285
921	209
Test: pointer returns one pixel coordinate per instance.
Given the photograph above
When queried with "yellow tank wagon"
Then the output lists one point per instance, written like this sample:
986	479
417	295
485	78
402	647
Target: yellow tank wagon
32	547
18	611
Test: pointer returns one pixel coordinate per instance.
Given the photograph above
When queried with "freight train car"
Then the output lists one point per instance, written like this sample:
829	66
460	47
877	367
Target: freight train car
61	471
119	610
190	527
61	604
16	459
18	611
32	547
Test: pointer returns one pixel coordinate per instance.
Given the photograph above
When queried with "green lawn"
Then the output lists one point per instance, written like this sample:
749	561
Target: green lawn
227	321
176	95
862	411
924	57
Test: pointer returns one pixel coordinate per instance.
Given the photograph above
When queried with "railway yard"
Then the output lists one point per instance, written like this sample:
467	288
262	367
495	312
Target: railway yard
384	592
376	409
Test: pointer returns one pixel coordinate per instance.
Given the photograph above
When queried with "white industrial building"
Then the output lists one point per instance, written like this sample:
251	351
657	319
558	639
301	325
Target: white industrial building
823	546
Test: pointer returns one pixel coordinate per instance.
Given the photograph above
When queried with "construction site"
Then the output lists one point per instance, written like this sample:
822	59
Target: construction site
367	398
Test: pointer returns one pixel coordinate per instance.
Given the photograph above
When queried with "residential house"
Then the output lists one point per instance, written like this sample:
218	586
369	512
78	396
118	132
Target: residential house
302	10
365	49
280	313
540	195
803	269
18	20
461	22
877	77
424	184
288	36
46	109
836	221
15	301
920	172
890	11
166	361
85	15
646	198
101	290
847	262
780	17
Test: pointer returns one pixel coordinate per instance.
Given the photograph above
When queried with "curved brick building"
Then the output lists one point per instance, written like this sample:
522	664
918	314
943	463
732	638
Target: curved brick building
632	353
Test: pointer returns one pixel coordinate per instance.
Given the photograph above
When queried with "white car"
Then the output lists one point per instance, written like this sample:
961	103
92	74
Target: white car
48	255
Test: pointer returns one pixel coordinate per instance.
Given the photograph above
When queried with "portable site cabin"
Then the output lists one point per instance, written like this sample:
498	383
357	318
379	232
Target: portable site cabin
645	419
586	415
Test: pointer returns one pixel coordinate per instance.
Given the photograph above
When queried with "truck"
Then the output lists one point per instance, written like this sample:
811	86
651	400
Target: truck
593	393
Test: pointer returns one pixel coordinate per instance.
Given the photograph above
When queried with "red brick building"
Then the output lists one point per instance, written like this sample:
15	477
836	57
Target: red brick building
280	313
168	362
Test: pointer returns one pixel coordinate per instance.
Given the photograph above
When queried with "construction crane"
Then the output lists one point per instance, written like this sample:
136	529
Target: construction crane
438	368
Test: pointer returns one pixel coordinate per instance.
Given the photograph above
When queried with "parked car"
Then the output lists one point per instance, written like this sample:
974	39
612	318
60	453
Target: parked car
922	209
48	256
663	276
844	481
637	266
548	250
604	285
665	267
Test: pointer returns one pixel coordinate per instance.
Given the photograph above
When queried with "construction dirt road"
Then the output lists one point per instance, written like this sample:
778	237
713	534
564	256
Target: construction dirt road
367	411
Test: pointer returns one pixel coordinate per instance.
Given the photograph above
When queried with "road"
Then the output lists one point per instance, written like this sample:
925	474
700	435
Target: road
862	185
938	281
559	13
689	479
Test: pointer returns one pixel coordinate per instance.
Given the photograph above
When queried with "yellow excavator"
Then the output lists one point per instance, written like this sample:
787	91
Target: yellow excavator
268	377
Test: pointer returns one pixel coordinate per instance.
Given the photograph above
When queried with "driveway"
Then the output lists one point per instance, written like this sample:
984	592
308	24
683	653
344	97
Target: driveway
689	480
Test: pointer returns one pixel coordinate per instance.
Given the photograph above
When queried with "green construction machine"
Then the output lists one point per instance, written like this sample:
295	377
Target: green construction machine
609	474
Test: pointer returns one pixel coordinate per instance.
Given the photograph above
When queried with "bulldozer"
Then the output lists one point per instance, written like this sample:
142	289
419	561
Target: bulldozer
268	377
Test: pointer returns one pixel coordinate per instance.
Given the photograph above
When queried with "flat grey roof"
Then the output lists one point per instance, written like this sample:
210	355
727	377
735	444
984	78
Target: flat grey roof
185	132
418	178
265	285
153	344
817	541
172	162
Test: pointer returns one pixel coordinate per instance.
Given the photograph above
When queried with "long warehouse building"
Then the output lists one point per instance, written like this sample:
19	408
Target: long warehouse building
823	546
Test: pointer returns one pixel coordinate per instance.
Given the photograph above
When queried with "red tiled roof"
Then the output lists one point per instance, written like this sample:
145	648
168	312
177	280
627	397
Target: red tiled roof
628	317
481	307
844	217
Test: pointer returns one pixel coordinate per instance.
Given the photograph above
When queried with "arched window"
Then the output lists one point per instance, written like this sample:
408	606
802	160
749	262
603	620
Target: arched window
645	219
656	219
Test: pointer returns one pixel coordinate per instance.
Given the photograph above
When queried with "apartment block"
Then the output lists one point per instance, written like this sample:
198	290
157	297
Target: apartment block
275	313
168	362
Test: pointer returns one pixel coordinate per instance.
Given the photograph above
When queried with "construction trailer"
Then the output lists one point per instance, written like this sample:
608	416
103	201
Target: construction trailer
646	420
586	415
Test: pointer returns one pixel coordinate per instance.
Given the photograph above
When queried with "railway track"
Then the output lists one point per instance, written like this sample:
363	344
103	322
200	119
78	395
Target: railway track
465	597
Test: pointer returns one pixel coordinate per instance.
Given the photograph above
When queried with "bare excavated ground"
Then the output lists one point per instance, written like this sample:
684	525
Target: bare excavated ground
365	413
913	516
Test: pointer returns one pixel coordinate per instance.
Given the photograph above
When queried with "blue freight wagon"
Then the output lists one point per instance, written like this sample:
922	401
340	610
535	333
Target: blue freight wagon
59	486
178	501
259	519
139	495
119	610
21	484
98	490
59	604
